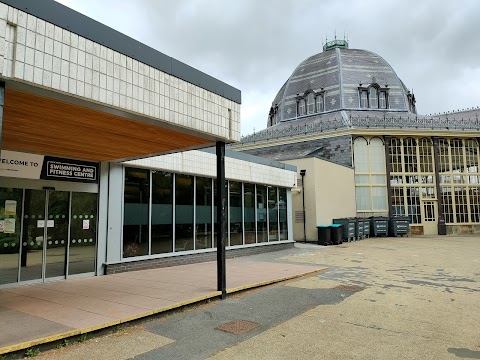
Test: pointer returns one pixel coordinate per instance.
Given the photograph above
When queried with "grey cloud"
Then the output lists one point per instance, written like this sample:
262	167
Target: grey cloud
255	45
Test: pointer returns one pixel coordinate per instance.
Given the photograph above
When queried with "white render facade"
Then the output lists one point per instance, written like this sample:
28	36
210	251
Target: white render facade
40	53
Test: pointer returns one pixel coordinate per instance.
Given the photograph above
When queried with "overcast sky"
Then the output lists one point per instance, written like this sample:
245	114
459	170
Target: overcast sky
255	45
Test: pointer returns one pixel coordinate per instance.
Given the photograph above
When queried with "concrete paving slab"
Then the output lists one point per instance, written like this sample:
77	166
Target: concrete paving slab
71	307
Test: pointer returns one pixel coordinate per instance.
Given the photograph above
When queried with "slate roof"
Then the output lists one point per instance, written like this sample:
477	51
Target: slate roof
339	72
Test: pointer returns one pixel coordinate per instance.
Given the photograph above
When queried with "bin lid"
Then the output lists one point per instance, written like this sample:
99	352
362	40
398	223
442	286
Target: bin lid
322	226
335	225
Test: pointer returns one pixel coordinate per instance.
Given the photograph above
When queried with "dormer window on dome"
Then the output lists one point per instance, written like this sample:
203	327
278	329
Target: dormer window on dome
311	102
373	96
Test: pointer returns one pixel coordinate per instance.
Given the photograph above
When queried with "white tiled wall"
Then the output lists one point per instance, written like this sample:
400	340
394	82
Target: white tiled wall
41	53
204	164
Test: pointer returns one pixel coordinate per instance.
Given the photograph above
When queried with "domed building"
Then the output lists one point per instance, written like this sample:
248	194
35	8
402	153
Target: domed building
350	125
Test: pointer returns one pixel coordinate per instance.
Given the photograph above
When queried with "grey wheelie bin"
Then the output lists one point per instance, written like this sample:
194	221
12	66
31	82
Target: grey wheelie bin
378	225
348	228
398	226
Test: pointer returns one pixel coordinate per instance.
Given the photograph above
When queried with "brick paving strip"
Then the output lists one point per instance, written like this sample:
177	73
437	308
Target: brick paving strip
31	315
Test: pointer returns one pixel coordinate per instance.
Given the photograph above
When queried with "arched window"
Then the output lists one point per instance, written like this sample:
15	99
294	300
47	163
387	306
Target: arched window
370	174
320	103
311	103
373	98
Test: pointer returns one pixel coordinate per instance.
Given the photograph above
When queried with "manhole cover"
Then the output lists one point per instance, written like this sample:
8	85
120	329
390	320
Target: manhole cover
237	327
351	288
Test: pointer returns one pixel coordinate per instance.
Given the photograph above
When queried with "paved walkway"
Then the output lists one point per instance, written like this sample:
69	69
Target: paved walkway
36	314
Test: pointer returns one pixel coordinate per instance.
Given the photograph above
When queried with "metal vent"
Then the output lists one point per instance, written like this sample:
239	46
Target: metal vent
299	216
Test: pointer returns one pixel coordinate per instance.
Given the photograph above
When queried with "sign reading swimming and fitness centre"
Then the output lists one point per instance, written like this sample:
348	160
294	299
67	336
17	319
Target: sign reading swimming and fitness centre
32	166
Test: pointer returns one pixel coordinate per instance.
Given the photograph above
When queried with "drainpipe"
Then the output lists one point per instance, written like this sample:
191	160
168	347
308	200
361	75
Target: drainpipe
302	174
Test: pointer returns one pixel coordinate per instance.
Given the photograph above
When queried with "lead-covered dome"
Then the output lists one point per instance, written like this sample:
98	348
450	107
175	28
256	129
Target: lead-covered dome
340	78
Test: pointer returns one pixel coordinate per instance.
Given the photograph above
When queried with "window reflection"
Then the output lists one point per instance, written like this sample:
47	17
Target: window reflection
254	213
183	212
135	215
203	202
162	212
236	230
261	213
282	204
272	214
249	205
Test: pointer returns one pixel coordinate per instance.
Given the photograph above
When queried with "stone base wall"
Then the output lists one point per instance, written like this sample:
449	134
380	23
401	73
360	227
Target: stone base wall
416	230
463	229
191	258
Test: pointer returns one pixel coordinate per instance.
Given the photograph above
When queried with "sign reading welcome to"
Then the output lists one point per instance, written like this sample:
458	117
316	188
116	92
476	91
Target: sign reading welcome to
31	166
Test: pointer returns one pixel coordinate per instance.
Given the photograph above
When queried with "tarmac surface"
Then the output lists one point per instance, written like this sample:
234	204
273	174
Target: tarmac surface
31	315
381	298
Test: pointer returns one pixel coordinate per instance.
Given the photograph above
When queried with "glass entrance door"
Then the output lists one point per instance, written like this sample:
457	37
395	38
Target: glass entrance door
45	234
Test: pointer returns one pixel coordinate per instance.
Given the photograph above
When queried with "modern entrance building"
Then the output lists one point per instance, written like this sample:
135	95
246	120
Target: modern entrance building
347	119
80	102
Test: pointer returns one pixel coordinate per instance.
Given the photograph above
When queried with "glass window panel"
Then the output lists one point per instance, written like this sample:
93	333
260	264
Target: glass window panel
282	194
410	154
364	99
471	155
461	207
362	179
272	214
301	107
82	254
379	179
444	157
32	235
11	215
382	99
377	156
474	180
395	155
447	204
135	213
319	103
236	230
360	155
428	179
183	212
413	205
203	216
373	98
456	148
425	148
362	195
162	212
249	206
311	103
398	201
262	213
396	179
379	198
475	204
428	192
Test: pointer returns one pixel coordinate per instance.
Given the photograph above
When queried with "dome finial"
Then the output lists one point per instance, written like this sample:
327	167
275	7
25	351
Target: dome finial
335	43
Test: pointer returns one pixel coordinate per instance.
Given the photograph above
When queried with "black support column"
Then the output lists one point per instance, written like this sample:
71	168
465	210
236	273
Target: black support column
388	168
442	227
221	203
2	103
